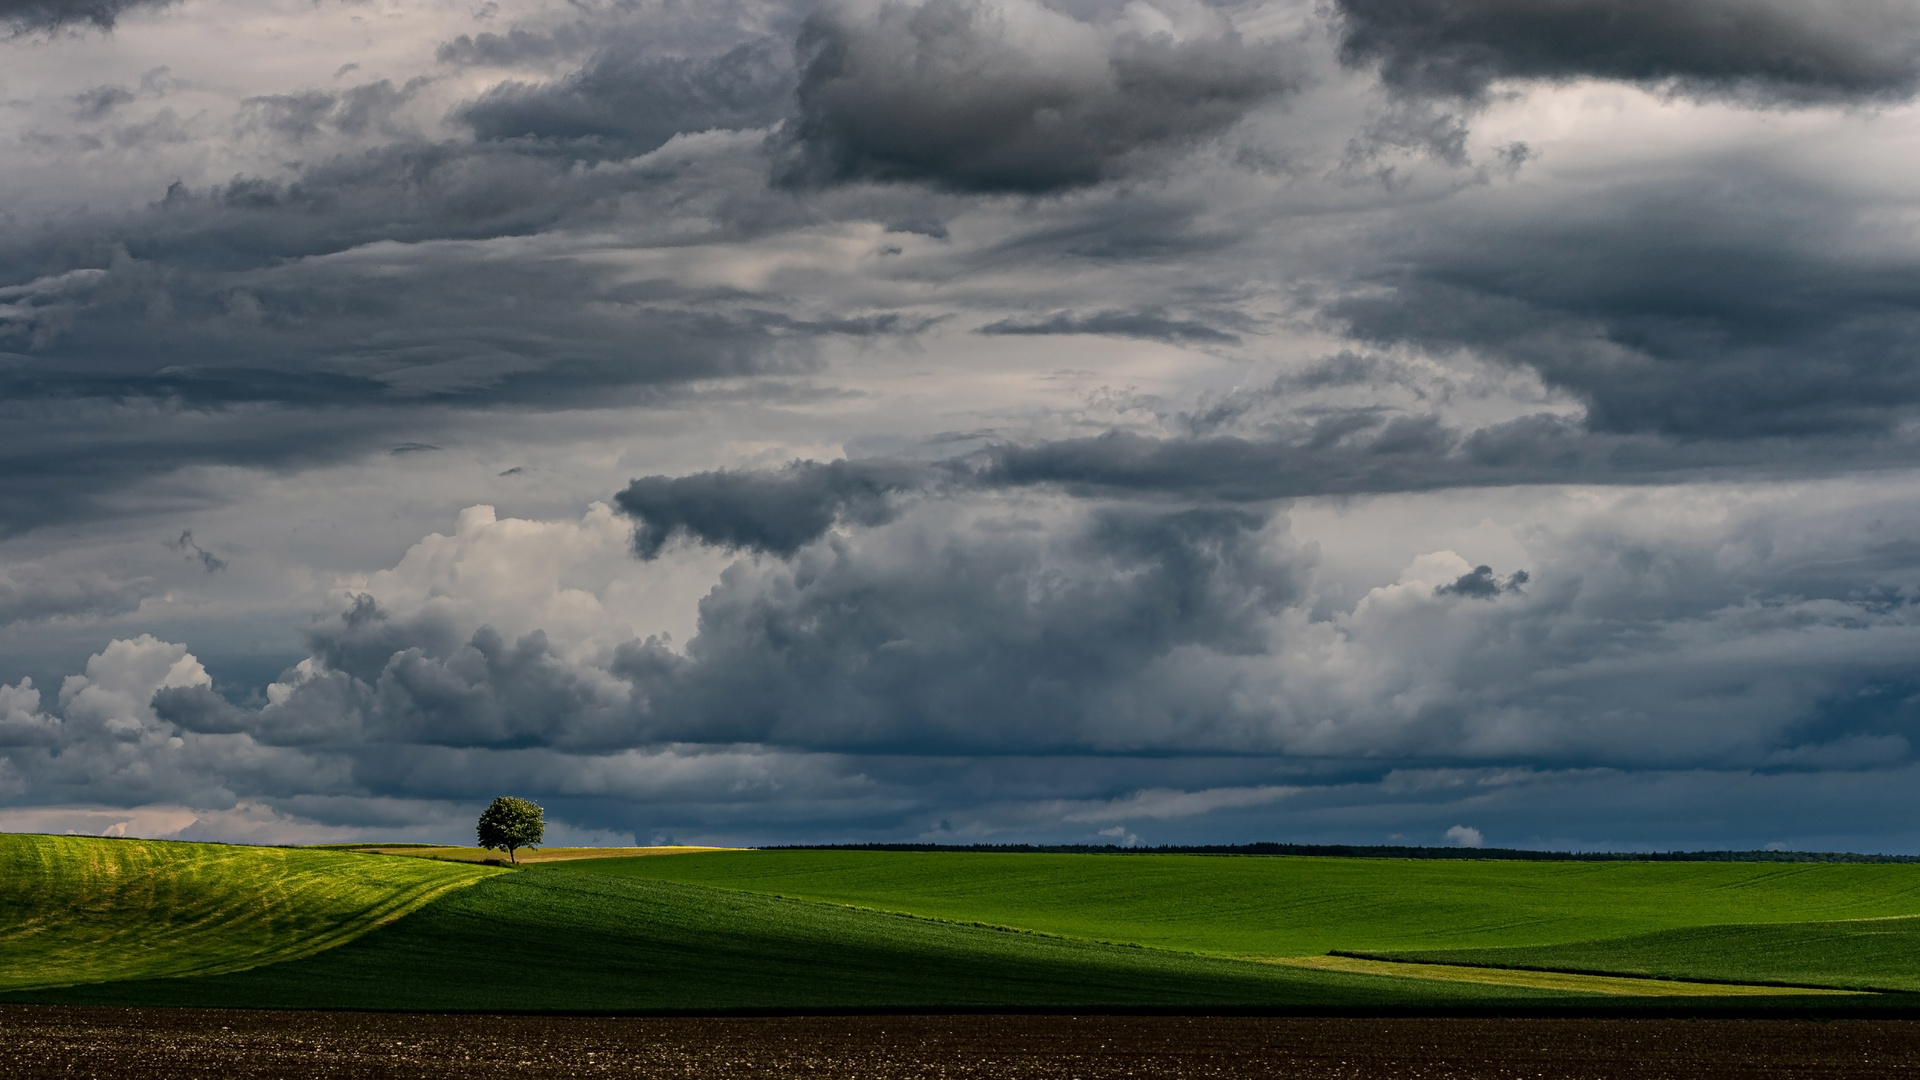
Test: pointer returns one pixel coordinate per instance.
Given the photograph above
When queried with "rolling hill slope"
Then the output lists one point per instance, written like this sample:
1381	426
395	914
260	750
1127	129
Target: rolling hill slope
1864	954
1260	906
557	939
142	923
85	909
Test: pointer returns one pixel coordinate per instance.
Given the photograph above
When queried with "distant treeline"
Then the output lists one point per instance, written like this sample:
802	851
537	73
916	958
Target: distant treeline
1381	851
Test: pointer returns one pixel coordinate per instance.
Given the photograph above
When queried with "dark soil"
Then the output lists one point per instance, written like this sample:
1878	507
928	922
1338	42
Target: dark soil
163	1044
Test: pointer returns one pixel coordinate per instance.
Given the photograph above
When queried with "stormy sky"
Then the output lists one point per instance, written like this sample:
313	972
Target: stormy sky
771	421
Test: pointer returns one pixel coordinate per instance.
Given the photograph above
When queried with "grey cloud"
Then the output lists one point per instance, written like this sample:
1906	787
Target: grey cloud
350	112
99	102
415	680
1481	583
217	300
991	641
776	513
1133	324
208	561
32	595
69	460
1727	304
419	353
954	93
625	103
200	710
479	692
1771	50
1375	451
1015	666
30	16
1343	454
296	116
928	227
517	46
988	626
1330	451
975	635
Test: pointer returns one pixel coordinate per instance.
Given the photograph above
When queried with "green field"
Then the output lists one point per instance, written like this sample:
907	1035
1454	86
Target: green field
1863	954
185	924
1284	906
85	910
555	938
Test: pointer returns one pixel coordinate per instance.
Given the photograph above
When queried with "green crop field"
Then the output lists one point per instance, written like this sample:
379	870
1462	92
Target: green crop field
555	938
1267	906
84	910
1864	954
186	924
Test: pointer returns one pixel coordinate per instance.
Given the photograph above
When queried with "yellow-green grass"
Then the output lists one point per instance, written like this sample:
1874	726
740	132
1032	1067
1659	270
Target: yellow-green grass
451	853
1558	981
86	909
1288	906
1866	954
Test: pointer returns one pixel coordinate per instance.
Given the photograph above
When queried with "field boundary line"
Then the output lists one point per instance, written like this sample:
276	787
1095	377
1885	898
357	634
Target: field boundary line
1594	973
1538	979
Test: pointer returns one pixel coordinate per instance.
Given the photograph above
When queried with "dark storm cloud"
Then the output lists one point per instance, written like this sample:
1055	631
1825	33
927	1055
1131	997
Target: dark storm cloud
191	548
1349	452
624	103
1770	50
777	513
1133	324
416	681
198	709
1004	637
977	97
991	641
181	321
1481	583
29	16
1356	451
1732	304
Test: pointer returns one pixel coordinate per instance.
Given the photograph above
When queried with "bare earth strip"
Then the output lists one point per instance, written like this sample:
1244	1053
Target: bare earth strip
537	855
65	1043
1543	980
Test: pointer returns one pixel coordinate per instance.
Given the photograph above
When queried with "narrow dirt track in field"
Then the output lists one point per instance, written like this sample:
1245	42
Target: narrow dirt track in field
175	1044
1612	985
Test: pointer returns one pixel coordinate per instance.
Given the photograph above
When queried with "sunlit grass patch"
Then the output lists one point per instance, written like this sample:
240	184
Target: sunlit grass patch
86	909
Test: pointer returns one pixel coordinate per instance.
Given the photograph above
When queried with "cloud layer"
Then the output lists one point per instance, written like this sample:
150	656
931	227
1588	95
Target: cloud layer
1011	95
1774	51
1441	421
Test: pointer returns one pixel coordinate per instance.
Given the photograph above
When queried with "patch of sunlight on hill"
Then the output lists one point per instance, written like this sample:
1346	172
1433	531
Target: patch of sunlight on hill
77	909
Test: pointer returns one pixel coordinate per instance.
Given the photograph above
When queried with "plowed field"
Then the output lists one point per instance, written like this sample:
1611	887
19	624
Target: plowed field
175	1044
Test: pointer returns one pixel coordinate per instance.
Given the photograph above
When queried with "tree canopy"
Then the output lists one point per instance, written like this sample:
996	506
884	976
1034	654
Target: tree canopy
510	824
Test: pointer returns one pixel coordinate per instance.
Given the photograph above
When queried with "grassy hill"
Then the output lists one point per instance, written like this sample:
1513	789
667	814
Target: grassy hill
556	938
453	853
1251	906
1866	954
145	923
85	909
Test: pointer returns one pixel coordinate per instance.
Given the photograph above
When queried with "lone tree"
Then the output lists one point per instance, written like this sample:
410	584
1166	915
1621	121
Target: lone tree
510	824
